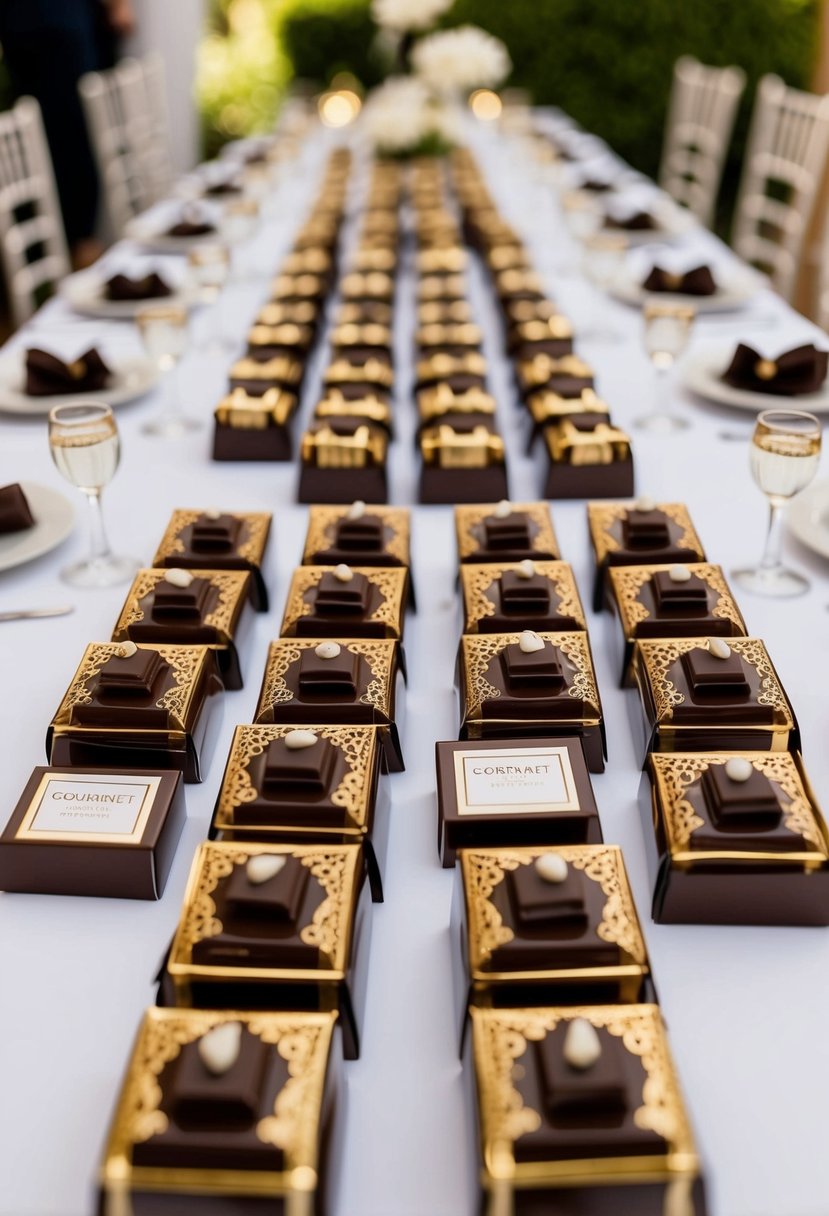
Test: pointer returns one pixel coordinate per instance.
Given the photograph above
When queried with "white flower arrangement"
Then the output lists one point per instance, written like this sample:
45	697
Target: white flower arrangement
405	15
401	115
459	60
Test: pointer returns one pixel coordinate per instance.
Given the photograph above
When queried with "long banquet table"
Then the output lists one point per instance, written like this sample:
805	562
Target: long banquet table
76	974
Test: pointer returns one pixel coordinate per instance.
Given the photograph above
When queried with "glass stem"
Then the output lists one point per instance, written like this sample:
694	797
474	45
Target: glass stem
771	559
99	549
172	396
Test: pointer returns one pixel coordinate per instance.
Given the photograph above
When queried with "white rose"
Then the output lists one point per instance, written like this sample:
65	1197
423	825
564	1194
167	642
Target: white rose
405	15
395	116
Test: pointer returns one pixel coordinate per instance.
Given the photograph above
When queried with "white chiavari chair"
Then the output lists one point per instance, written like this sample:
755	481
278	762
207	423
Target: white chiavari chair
121	170
785	159
32	238
698	130
143	91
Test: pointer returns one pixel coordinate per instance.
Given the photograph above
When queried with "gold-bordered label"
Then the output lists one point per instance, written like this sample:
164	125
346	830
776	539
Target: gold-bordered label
102	810
515	780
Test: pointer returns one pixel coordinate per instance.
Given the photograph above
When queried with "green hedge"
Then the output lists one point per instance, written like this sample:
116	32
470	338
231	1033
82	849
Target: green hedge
607	62
322	39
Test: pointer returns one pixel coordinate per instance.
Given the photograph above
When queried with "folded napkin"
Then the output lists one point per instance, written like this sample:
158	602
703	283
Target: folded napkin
596	185
639	221
801	370
191	227
696	282
150	287
15	512
47	375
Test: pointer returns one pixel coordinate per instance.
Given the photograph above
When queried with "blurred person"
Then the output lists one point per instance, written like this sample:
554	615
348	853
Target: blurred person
47	46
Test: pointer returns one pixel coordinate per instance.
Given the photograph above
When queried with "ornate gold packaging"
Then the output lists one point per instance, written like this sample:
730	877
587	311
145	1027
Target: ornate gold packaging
373	371
369	408
243	412
499	596
640	1157
304	927
291	1143
285	370
363	447
448	448
242	547
368	601
482	534
345	534
441	399
672	538
734	838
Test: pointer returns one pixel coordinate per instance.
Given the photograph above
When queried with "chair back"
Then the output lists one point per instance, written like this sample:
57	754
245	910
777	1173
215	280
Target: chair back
700	121
32	237
116	145
785	159
143	91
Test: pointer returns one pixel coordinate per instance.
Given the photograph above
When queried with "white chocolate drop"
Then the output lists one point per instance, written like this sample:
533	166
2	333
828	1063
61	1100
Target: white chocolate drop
219	1048
582	1046
357	509
551	867
343	573
264	866
645	503
679	574
526	569
297	740
327	650
503	509
718	648
529	642
126	650
178	577
738	769
212	513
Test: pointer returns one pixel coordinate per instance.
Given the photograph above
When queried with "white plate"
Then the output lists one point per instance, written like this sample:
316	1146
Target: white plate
152	235
807	517
735	293
703	372
85	293
131	378
54	519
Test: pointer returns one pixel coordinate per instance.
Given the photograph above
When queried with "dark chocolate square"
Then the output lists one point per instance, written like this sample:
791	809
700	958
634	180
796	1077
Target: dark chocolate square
597	1094
307	769
524	594
670	596
279	898
709	676
510	532
199	1098
342	597
540	667
337	676
215	535
646	529
733	804
15	513
541	906
132	676
171	602
363	535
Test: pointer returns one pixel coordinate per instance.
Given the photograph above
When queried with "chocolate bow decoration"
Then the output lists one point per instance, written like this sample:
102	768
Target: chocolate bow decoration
696	282
150	287
222	189
191	227
802	370
47	375
640	221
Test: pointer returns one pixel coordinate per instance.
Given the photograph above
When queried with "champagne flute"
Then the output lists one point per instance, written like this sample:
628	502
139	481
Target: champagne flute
239	223
582	218
208	267
603	255
667	329
163	329
784	455
83	440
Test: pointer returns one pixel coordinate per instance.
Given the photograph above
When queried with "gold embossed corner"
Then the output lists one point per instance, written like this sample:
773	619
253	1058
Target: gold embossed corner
303	1040
358	745
501	1038
484	869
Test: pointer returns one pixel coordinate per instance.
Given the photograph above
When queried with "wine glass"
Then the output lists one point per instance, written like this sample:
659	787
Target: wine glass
666	332
239	222
208	267
785	451
603	255
163	330
83	440
582	217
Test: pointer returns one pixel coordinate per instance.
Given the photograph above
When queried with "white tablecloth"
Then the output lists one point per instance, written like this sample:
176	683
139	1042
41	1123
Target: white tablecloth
76	974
